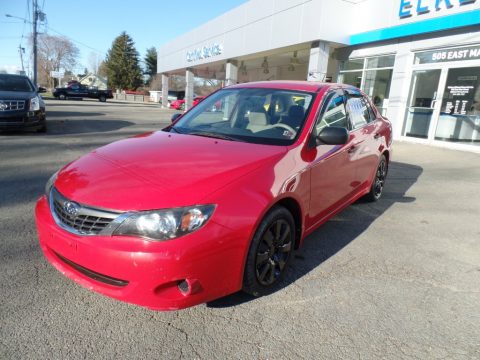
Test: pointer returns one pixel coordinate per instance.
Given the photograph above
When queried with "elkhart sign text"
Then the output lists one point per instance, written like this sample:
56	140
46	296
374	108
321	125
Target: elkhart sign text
409	8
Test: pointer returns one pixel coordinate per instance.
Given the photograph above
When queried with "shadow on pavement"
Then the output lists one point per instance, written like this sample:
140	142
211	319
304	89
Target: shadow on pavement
64	114
337	233
73	127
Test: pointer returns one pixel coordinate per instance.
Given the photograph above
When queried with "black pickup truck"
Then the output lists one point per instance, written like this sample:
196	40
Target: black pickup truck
77	90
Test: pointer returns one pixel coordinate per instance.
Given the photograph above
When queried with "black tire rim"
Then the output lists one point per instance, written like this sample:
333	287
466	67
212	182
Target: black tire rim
273	252
380	179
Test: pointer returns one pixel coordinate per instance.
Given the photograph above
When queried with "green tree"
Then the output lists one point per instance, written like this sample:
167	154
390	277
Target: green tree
151	63
122	64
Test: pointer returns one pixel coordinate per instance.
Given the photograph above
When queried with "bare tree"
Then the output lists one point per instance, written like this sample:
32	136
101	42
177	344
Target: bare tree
55	53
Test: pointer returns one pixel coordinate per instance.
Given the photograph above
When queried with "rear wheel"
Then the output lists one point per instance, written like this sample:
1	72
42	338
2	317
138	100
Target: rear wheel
270	252
102	98
378	184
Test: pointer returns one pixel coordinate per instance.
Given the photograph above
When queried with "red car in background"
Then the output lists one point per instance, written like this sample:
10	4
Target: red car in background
218	201
180	104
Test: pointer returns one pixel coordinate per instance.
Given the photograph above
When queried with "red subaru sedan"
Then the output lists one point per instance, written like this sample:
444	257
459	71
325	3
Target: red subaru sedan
217	201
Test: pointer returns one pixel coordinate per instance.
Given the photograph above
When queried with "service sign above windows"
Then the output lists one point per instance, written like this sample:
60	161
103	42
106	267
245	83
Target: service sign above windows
204	52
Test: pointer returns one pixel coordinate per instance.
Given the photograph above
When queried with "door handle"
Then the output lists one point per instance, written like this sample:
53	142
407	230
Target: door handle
352	149
376	136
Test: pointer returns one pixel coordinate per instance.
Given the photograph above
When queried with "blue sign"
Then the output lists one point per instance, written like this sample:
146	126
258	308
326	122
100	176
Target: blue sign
420	7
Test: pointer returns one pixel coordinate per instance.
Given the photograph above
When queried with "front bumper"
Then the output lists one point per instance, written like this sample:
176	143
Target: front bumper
21	119
147	273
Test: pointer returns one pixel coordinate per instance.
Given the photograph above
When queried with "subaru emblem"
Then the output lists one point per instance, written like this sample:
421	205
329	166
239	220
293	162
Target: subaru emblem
71	208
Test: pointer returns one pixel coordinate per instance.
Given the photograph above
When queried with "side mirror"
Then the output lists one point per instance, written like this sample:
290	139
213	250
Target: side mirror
333	135
175	117
41	89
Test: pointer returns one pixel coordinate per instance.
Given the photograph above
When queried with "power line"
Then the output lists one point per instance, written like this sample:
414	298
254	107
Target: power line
78	42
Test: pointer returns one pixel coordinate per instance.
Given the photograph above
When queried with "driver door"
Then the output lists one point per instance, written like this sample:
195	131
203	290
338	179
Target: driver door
332	171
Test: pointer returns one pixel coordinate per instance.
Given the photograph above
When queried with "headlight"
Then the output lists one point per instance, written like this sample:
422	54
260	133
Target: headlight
166	224
34	104
50	182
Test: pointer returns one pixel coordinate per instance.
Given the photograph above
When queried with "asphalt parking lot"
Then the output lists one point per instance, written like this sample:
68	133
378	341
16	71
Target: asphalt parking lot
398	279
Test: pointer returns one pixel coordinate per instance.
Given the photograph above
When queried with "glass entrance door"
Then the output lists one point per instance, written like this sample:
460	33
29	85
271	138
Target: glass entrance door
422	103
459	119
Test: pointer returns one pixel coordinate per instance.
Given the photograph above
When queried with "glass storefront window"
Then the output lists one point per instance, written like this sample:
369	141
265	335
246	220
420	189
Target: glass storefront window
372	75
353	78
381	62
353	64
423	97
377	86
459	119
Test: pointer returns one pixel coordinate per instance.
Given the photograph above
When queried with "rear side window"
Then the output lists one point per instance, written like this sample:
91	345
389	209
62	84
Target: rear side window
335	114
358	111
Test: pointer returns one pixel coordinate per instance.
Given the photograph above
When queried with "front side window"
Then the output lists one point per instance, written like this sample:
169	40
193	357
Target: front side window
257	115
334	115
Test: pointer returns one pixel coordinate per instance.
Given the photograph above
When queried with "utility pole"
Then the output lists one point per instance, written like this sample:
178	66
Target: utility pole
35	17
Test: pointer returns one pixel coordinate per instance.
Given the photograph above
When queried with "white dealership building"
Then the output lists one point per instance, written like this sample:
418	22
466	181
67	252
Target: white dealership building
419	60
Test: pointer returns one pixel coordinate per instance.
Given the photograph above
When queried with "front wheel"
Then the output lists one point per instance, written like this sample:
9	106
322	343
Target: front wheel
62	97
378	183
270	252
102	98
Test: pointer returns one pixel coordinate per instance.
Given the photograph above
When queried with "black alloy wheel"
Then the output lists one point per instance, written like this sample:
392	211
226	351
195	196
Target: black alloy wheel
269	252
273	252
378	184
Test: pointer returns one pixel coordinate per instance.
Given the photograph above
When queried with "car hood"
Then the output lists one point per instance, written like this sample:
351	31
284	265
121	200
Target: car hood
160	170
16	95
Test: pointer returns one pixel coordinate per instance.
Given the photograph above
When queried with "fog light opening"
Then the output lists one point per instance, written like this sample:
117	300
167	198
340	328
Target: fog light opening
188	286
184	287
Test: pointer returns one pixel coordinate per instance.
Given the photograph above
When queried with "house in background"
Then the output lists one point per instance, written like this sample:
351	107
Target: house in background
92	80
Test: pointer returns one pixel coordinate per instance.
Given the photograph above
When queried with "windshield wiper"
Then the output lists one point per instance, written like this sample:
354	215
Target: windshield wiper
213	135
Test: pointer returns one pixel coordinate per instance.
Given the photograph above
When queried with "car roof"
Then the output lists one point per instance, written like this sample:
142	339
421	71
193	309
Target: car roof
310	86
14	75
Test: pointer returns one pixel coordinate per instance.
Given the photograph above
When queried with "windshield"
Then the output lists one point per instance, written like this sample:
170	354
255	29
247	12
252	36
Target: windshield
262	116
15	83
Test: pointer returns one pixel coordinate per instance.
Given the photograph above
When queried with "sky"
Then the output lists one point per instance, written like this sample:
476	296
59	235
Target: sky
92	25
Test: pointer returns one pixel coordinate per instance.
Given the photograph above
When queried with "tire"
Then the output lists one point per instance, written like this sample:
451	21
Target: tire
270	252
43	129
376	190
102	98
62	97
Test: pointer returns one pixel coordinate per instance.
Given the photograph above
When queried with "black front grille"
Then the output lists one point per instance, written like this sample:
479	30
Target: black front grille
12	105
85	221
93	274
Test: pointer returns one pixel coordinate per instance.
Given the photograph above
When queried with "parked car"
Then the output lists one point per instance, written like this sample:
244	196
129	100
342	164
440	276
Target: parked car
21	106
77	90
180	104
218	201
